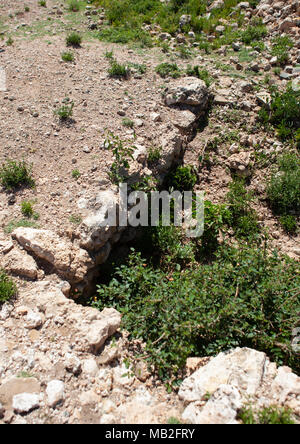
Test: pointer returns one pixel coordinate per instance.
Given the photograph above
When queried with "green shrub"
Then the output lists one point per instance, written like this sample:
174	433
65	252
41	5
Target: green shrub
216	218
202	74
9	41
65	111
43	3
75	219
255	31
289	224
266	415
8	288
284	112
118	70
26	208
168	70
283	189
74	40
280	48
246	297
154	155
122	154
124	35
74	5
182	178
67	56
128	123
243	217
15	174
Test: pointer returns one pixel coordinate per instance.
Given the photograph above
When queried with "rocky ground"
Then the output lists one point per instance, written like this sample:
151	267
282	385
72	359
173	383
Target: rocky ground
64	363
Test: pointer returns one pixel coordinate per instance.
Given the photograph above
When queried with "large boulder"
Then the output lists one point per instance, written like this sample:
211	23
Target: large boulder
242	366
68	260
188	91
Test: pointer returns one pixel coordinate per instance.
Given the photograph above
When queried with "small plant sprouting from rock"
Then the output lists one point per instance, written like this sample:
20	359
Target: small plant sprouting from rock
122	155
14	174
65	111
75	219
76	174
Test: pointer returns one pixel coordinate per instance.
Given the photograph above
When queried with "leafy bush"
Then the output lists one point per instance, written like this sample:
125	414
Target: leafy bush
8	288
243	217
280	48
67	56
182	178
284	112
266	415
283	189
15	174
43	3
168	70
244	298
74	40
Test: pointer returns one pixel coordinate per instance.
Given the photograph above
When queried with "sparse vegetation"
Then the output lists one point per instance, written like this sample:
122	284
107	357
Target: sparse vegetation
243	218
280	48
11	226
266	415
